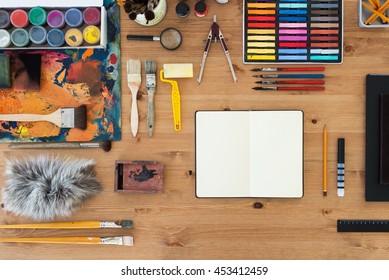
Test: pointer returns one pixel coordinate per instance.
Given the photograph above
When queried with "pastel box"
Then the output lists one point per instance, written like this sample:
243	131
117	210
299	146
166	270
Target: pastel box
364	14
62	6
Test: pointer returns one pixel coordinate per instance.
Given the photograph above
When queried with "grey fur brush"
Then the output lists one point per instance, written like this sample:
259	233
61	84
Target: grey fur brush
44	187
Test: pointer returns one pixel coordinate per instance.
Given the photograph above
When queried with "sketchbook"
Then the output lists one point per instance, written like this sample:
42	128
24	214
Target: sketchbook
249	154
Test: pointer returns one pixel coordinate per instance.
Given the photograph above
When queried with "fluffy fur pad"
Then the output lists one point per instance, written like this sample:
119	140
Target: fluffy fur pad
44	187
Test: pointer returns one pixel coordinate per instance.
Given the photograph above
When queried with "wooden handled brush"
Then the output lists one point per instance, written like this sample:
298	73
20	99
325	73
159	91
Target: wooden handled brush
63	117
151	84
75	225
116	240
134	80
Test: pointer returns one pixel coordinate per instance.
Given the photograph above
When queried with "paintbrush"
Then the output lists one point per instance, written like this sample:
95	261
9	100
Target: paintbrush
151	68
75	225
63	117
105	145
289	88
287	69
134	80
116	240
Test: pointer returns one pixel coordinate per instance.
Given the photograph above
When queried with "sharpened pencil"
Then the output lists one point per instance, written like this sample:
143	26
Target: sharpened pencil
288	69
289	88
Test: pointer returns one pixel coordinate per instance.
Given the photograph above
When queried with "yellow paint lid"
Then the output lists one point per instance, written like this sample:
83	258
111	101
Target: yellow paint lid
92	34
74	37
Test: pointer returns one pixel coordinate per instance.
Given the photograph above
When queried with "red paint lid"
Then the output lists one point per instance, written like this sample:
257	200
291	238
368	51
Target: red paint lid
19	18
200	8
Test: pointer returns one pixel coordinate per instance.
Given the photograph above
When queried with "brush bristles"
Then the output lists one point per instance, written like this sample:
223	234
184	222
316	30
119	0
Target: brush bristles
150	66
80	117
128	241
126	223
134	71
106	145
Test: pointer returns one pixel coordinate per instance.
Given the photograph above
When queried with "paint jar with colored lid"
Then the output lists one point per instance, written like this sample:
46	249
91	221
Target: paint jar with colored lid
55	19
37	16
4	19
74	17
159	14
92	16
91	34
5	38
55	37
74	37
38	35
19	18
20	37
201	8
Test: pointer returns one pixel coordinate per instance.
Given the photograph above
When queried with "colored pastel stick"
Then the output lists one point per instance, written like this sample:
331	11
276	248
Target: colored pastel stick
292	51
293	19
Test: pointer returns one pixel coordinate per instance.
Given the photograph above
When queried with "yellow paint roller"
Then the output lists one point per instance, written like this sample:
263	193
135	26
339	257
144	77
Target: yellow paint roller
176	70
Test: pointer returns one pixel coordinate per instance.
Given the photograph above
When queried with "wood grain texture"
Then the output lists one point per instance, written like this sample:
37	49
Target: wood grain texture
176	224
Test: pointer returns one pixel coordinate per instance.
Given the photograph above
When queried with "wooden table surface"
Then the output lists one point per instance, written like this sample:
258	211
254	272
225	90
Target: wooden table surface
176	224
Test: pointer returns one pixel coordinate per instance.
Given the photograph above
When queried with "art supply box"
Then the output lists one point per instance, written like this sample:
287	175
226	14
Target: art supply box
63	6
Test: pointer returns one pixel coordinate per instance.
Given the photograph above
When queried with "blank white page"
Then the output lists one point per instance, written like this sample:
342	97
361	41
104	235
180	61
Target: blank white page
276	153
222	154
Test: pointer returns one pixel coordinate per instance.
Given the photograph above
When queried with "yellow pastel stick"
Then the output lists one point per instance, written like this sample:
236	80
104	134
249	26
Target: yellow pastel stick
261	57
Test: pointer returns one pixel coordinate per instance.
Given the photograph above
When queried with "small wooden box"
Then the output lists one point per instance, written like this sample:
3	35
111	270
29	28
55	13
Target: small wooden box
138	176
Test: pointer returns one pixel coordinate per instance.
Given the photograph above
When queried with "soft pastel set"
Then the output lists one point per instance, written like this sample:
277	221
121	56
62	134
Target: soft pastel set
293	31
42	25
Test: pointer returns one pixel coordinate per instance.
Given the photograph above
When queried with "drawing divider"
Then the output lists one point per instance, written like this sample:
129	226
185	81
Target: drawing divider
290	31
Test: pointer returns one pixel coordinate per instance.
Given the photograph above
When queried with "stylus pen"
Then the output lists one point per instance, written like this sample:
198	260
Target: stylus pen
341	144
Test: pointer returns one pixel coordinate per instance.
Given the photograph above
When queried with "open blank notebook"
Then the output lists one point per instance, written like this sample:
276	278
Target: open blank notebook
249	154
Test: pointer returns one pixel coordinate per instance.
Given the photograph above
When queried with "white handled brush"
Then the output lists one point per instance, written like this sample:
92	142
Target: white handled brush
116	240
134	80
63	117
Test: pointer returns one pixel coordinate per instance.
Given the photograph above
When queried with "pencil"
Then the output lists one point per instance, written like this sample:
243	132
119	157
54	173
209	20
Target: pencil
288	69
325	160
289	88
376	12
373	17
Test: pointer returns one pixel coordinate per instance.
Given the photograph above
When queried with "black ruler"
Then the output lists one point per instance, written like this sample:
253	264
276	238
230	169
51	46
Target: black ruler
363	226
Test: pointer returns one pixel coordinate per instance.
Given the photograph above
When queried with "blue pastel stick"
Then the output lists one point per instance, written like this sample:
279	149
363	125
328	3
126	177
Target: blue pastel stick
292	51
292	19
292	12
293	6
292	57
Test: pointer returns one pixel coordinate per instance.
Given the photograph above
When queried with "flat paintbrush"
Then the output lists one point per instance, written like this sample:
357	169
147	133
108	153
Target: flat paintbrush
115	240
62	117
134	80
151	84
75	225
105	145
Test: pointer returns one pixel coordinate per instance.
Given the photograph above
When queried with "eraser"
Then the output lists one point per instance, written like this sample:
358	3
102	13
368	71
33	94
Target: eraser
178	70
5	77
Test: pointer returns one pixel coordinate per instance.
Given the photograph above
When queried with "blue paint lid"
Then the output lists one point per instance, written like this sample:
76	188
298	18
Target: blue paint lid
73	17
37	35
55	37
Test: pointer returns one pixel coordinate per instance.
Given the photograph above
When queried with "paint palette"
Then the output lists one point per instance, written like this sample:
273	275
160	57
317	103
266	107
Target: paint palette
293	31
42	27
